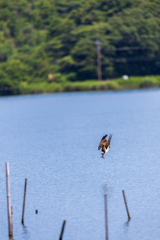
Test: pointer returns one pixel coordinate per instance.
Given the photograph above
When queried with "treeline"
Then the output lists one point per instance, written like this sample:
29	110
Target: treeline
38	37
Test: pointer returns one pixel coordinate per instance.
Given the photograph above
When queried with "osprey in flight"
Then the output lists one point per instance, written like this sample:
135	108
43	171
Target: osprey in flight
105	145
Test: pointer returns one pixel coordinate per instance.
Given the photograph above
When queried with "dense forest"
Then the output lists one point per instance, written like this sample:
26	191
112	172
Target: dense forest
39	37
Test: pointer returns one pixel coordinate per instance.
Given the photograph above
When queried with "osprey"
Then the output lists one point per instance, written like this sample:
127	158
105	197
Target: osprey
105	145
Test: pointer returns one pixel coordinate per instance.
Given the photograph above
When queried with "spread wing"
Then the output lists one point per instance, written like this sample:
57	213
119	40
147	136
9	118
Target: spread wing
109	139
104	137
102	142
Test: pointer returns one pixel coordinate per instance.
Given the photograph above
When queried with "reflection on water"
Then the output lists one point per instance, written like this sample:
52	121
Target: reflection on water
11	238
126	226
25	233
52	141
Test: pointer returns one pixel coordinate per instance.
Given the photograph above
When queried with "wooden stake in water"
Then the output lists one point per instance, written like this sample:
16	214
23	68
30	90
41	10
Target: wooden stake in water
106	216
24	200
10	224
124	196
12	215
64	222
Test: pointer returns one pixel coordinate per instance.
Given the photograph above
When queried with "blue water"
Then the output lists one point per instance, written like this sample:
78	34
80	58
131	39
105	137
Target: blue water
52	140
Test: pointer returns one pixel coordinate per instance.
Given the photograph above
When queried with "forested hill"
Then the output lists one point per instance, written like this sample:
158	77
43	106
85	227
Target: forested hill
38	37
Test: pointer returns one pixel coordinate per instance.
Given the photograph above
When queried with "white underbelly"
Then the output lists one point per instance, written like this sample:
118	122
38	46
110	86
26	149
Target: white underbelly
106	150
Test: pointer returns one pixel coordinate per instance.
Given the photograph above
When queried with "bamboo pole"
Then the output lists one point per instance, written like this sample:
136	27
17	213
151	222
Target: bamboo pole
106	216
10	223
125	201
64	222
24	200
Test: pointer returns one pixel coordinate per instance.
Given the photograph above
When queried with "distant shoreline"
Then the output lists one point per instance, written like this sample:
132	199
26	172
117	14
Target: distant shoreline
88	85
92	85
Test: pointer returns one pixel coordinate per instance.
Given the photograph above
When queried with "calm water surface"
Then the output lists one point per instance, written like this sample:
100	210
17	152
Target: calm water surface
52	141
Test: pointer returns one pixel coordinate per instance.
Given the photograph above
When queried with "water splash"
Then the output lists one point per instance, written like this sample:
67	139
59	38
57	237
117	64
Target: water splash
107	187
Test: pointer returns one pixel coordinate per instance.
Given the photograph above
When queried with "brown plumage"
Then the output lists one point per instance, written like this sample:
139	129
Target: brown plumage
104	144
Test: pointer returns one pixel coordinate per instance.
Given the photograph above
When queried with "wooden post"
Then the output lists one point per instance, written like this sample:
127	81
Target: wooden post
10	224
11	215
106	216
124	196
24	200
98	43
60	238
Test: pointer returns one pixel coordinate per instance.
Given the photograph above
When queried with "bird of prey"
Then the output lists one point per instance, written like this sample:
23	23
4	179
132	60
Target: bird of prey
105	144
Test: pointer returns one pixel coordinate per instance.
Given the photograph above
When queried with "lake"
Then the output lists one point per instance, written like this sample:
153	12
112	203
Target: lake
52	140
